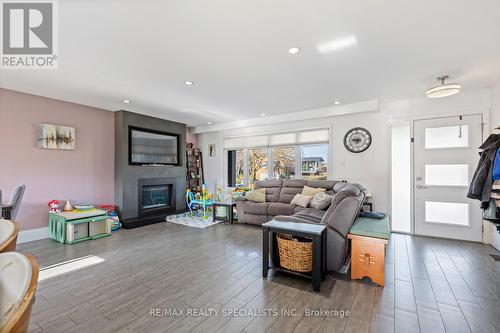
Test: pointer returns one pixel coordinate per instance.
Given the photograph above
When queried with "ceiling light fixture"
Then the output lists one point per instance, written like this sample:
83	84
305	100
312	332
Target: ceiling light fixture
188	83
262	114
443	90
337	44
336	102
209	123
128	101
294	50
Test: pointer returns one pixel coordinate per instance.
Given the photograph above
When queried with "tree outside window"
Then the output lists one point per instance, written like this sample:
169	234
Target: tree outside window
284	162
257	165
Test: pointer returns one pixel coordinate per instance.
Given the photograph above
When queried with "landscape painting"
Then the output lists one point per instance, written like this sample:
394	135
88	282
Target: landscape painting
56	137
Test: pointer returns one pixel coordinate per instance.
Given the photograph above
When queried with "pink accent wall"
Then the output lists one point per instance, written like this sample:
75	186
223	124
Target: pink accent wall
82	175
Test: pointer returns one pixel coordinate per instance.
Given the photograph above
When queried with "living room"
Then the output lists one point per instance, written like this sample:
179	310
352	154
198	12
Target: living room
250	167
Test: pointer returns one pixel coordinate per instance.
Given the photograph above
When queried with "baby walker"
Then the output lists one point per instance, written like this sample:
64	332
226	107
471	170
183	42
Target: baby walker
199	200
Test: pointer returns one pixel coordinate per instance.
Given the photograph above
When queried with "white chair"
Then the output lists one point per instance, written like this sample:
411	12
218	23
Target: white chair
8	235
18	281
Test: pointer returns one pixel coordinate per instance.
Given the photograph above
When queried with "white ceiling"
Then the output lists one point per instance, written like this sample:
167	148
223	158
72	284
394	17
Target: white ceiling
236	52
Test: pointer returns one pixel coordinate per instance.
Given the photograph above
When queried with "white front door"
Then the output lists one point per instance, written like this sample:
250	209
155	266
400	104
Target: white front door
445	158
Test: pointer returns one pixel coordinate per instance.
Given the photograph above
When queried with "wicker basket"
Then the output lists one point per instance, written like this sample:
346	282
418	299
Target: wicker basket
295	254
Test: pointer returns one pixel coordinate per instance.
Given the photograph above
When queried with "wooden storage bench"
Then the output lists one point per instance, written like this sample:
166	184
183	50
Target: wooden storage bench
73	227
369	238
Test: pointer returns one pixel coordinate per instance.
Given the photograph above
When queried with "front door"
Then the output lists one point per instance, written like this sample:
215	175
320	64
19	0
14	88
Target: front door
446	155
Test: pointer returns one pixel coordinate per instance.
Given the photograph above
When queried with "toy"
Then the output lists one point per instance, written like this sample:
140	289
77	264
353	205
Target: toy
68	207
113	218
54	206
200	199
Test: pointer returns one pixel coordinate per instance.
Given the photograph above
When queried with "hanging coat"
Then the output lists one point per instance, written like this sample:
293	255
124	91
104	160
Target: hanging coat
480	186
496	166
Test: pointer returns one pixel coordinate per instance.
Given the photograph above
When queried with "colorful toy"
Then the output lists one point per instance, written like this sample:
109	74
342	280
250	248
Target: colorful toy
54	206
201	199
113	218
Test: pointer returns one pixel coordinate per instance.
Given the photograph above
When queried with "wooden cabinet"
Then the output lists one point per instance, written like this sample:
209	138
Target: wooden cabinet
367	258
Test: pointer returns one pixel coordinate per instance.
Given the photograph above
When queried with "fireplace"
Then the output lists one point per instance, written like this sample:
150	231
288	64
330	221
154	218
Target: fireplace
156	196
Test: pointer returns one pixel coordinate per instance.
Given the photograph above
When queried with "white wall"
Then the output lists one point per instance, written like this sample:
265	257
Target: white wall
494	236
370	168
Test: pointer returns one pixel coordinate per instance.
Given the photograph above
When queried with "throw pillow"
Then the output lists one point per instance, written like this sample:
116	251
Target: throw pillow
301	200
321	200
256	195
307	190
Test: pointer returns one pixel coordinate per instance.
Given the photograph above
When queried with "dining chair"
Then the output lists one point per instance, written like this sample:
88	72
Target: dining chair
20	275
15	200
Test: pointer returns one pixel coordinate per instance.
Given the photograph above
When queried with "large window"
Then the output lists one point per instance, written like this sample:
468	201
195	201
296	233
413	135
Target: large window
314	162
246	166
283	162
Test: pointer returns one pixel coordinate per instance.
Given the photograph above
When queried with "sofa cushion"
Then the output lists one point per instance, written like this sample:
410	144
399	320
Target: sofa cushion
298	209
301	200
311	215
273	189
290	188
321	200
259	208
312	190
326	184
256	195
278	208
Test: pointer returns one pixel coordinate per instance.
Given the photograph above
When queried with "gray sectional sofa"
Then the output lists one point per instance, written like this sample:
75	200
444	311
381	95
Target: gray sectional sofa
338	217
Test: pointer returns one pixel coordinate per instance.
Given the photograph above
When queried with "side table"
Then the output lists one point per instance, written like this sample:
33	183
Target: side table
316	232
230	205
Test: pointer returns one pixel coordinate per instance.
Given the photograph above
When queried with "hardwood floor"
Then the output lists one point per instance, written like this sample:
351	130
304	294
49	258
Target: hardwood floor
431	285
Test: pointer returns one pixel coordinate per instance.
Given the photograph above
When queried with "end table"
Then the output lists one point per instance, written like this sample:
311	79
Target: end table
230	205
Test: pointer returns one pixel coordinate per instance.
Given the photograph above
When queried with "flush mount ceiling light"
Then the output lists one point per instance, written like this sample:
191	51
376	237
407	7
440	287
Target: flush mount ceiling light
336	102
128	101
209	123
294	50
337	44
262	114
443	90
188	83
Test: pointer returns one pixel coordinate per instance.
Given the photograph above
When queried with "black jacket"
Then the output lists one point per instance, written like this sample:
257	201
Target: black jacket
480	186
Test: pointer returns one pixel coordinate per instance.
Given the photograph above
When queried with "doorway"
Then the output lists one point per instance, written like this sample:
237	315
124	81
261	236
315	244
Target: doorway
445	157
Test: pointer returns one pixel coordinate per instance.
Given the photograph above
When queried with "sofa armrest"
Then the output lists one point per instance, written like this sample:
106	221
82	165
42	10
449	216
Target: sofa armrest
342	216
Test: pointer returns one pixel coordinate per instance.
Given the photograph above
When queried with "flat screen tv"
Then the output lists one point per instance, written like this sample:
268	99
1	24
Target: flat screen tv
147	147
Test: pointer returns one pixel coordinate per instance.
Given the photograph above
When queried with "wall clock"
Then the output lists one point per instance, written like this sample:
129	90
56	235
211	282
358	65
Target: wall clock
357	140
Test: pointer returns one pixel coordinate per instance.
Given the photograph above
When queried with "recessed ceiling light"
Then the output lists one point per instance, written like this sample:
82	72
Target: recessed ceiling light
336	102
294	50
209	123
128	101
337	44
262	114
443	90
188	83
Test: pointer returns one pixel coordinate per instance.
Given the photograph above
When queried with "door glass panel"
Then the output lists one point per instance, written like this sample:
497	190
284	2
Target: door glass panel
447	174
447	212
447	137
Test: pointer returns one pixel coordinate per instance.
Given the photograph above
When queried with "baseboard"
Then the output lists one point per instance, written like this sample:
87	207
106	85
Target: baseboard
32	235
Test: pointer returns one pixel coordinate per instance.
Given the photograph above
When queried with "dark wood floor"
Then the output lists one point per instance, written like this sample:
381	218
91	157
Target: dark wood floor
432	285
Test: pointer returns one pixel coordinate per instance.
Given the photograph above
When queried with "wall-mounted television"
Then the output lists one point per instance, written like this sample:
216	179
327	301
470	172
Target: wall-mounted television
148	147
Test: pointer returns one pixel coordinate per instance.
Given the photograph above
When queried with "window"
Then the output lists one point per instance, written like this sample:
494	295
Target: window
314	162
257	165
283	162
289	155
235	168
447	137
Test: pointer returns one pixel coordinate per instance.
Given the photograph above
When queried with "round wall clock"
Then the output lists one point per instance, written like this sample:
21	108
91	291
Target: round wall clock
357	140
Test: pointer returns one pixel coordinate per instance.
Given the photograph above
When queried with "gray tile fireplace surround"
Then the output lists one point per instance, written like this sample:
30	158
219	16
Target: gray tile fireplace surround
127	176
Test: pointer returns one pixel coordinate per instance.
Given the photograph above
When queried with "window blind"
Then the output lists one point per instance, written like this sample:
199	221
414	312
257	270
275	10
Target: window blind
278	139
